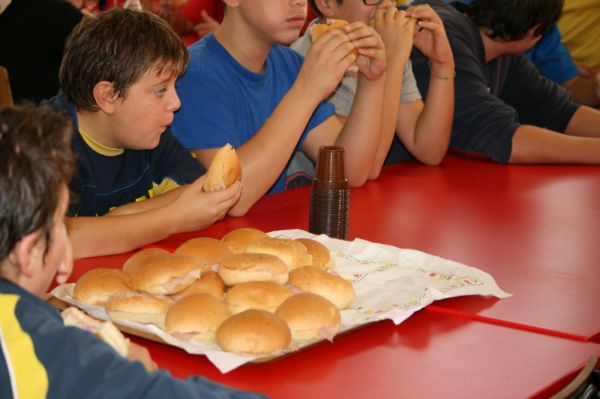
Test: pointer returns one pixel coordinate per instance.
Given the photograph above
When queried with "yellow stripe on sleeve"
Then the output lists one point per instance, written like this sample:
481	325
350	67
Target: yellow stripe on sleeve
28	376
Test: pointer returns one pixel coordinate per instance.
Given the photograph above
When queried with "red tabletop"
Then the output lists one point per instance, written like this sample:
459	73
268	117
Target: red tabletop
535	229
427	356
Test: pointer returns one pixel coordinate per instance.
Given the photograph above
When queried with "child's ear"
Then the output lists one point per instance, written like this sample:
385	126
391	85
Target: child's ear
326	7
104	94
26	256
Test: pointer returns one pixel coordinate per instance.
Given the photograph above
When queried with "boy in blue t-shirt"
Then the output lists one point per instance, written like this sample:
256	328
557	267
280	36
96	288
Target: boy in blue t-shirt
243	86
134	183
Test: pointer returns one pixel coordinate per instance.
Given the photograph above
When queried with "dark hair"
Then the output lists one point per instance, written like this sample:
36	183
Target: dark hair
117	46
35	149
511	19
313	5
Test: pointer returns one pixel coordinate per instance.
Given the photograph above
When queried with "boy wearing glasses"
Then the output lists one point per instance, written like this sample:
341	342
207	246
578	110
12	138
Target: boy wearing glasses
245	87
423	129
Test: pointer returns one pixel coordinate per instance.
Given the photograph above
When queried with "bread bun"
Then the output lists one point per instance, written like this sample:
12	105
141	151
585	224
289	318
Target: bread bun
317	30
239	238
138	307
224	170
95	286
319	252
240	268
209	251
311	279
105	330
264	295
292	252
255	332
196	317
141	258
209	283
310	316
166	274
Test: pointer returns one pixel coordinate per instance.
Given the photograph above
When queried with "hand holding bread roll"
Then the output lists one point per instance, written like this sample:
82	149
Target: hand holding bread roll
224	170
317	30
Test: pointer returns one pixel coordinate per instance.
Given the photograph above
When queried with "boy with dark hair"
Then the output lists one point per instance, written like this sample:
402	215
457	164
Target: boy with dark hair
504	108
118	79
422	128
39	356
245	87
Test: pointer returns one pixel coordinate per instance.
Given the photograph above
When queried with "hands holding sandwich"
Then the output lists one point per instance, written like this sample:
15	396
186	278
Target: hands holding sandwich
335	50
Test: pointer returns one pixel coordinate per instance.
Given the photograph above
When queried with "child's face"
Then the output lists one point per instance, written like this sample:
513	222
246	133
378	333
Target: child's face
279	21
54	258
357	10
146	110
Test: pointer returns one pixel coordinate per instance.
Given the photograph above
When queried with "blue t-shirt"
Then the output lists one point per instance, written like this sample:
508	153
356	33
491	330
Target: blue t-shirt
552	58
223	102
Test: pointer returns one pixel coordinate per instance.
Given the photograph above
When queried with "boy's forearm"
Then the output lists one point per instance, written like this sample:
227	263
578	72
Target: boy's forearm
389	115
265	155
361	133
434	125
99	236
147	205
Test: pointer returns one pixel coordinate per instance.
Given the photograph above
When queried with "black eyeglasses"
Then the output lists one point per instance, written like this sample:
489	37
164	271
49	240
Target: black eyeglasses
373	2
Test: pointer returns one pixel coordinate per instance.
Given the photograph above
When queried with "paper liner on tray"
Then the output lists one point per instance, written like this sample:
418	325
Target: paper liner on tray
390	283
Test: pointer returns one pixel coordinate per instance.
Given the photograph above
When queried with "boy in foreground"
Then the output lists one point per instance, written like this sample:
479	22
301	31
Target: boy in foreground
39	356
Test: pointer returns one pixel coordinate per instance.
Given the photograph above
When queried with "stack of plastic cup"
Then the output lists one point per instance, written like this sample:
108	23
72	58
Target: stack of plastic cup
330	195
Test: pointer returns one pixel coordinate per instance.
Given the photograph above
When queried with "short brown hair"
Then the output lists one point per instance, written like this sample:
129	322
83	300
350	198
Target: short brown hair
35	149
117	46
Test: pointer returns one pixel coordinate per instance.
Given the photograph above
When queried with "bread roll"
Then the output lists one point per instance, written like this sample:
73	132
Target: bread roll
264	295
141	258
105	330
317	30
292	252
321	258
196	317
241	268
310	317
239	238
209	251
224	170
167	274
255	332
95	286
311	279
138	307
209	283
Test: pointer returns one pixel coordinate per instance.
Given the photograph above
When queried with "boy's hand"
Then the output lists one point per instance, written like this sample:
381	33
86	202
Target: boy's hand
141	354
396	30
431	38
198	209
325	63
371	50
208	25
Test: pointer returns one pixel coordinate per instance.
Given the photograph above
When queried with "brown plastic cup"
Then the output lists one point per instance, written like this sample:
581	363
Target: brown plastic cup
330	195
330	172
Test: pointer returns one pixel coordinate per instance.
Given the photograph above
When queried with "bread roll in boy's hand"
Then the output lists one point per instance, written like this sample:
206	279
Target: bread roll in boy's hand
224	170
317	30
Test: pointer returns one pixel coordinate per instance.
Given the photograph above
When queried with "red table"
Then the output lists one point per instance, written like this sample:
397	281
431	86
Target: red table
427	356
535	229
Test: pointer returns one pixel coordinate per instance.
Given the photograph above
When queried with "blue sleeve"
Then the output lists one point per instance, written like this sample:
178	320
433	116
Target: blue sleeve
205	119
174	162
552	58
